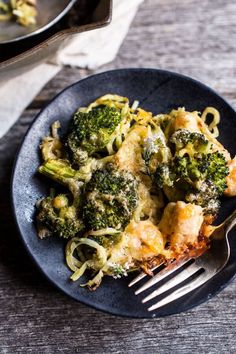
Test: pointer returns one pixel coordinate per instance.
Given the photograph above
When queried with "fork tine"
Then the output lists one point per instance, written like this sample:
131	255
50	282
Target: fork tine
142	275
161	275
177	279
201	279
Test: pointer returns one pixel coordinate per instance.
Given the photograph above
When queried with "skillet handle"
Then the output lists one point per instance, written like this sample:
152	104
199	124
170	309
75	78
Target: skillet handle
100	16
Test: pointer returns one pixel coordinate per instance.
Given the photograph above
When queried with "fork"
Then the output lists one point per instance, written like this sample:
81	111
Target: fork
194	273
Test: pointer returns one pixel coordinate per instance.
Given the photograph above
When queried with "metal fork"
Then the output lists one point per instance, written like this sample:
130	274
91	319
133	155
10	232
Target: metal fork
195	272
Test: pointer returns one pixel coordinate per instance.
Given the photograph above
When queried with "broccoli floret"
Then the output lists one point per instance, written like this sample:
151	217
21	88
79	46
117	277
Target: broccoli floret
107	241
163	176
117	270
206	196
59	171
201	178
215	168
155	150
110	199
89	133
183	137
62	172
187	168
152	151
57	217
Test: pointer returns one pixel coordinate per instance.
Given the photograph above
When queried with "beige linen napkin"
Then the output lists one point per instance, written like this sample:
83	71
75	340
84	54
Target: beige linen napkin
17	93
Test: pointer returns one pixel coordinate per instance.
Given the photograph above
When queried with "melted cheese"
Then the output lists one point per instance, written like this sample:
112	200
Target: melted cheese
149	205
145	240
181	224
186	120
216	145
231	179
129	156
140	242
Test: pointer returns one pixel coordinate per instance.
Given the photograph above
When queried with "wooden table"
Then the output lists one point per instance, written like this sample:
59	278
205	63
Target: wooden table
197	38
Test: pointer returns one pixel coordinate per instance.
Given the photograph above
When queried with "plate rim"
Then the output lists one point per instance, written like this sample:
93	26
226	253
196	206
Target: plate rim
13	206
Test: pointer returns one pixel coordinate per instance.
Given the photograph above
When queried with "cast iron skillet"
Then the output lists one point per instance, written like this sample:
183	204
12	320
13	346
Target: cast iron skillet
49	13
157	91
21	56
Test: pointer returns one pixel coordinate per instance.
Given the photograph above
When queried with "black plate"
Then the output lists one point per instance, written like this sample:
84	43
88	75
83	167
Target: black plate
157	91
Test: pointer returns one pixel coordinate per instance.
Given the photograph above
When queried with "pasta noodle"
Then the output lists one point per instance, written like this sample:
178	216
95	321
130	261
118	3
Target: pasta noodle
215	121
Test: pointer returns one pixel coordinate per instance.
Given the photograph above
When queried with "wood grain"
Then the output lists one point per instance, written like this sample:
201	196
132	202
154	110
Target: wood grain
197	38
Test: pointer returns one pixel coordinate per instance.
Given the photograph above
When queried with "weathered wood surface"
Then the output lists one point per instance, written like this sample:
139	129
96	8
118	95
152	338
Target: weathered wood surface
197	38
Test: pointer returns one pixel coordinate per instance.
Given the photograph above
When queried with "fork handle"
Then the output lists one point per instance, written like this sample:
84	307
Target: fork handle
230	222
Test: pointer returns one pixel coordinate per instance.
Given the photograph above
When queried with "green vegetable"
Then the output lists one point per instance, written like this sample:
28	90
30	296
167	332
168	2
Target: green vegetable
56	216
163	176
90	132
207	196
110	199
59	171
200	179
215	169
155	150
107	241
62	172
183	138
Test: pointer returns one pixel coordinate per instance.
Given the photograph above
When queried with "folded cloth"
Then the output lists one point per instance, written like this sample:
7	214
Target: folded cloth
86	50
93	49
